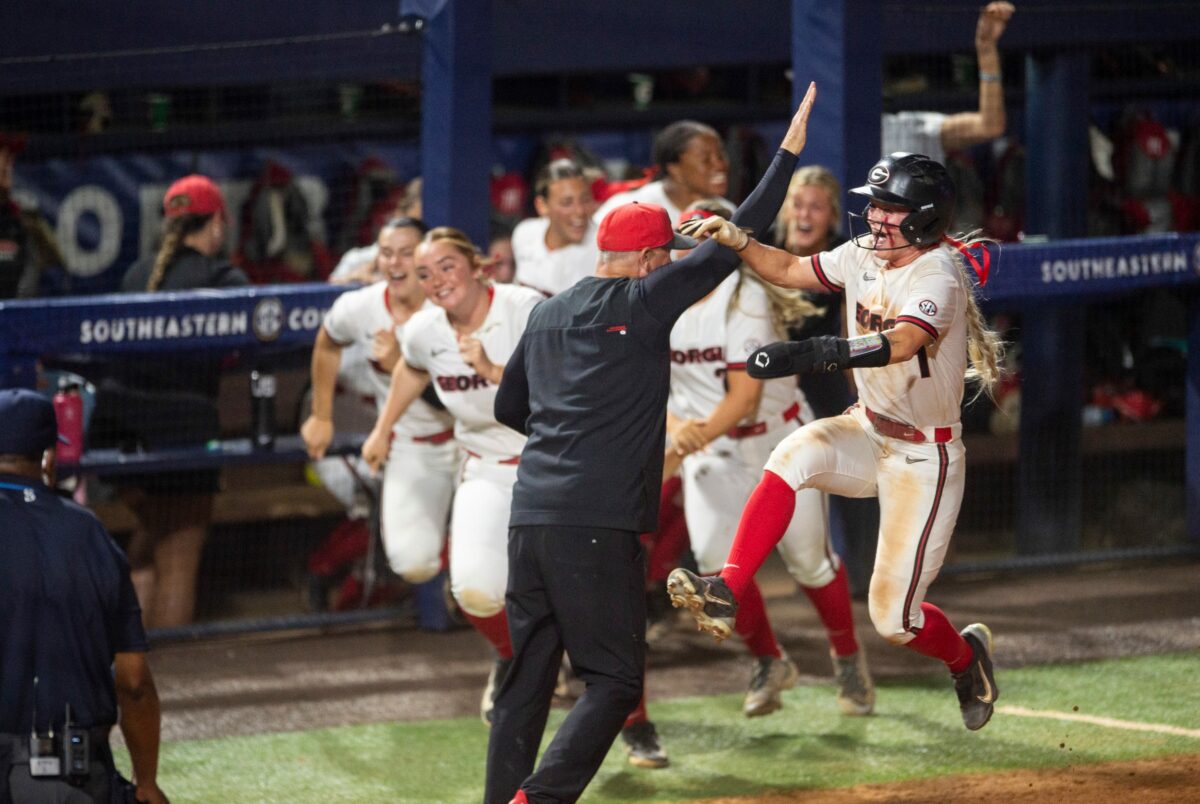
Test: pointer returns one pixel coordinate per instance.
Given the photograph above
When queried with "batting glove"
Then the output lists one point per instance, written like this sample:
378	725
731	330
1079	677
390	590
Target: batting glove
724	232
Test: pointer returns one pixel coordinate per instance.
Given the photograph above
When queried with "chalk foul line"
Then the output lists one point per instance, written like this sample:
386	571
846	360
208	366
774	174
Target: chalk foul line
1110	722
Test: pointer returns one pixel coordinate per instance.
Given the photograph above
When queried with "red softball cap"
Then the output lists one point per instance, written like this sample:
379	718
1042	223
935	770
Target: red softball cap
635	226
193	195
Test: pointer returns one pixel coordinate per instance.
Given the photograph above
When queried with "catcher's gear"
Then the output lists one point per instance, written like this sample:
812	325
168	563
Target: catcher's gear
914	182
824	354
724	232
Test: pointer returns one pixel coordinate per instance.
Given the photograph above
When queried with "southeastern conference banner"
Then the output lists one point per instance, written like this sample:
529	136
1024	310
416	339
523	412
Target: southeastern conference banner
106	210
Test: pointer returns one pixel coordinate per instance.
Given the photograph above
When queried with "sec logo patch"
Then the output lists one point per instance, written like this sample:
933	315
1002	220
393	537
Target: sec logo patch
927	307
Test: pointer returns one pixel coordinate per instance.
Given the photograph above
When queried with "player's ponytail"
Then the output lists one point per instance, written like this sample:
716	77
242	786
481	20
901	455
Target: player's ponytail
174	232
985	349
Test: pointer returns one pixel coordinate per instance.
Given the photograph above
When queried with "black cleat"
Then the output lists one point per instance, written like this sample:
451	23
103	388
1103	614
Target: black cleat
976	686
641	744
707	598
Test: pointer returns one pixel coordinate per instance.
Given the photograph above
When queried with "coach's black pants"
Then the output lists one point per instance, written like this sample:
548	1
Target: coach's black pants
580	589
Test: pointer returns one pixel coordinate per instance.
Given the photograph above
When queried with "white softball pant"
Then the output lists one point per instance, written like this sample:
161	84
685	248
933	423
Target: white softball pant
479	536
418	484
716	485
919	486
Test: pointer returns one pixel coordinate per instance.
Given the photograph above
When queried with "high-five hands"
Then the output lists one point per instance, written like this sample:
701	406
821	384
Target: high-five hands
724	232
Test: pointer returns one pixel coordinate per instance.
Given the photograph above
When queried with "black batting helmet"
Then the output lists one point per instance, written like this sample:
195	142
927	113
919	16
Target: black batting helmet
917	183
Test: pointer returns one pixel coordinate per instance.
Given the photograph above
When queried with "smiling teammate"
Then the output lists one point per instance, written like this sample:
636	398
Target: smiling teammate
916	334
558	248
459	348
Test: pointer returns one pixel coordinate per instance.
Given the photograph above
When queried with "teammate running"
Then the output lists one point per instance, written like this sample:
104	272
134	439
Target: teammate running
726	423
418	482
918	334
460	349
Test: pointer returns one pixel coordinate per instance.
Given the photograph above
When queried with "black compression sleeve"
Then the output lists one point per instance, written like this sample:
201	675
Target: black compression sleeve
670	290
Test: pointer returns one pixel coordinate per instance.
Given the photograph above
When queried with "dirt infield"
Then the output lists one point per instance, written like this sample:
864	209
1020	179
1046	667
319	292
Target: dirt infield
1157	781
293	681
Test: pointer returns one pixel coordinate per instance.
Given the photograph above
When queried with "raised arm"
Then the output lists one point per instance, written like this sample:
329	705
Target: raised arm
971	128
671	290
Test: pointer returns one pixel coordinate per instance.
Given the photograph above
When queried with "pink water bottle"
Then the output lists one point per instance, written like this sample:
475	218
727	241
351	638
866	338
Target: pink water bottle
68	408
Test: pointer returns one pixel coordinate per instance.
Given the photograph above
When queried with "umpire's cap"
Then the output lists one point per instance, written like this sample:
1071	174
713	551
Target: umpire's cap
29	425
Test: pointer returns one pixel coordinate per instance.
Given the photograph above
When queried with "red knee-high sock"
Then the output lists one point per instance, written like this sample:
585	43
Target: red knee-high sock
752	624
495	630
667	543
937	638
638	715
832	602
764	520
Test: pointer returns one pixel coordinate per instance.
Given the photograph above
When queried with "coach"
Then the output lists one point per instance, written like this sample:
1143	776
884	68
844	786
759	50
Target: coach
70	619
588	384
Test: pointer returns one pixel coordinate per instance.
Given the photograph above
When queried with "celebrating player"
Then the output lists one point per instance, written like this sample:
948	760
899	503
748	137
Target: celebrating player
418	482
918	334
461	349
558	248
726	424
692	166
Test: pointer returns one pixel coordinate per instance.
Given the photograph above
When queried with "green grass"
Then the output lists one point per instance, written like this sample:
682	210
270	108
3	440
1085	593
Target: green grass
717	752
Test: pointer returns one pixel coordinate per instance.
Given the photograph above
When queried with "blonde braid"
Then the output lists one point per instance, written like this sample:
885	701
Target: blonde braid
985	349
166	252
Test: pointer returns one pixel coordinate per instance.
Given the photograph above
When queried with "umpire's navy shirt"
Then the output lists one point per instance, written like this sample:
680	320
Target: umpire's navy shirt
67	606
589	378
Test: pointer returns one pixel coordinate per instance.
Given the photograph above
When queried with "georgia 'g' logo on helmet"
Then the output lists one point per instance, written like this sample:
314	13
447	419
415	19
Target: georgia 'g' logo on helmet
879	174
762	360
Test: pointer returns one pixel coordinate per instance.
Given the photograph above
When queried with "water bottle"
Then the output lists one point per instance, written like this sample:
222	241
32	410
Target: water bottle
262	409
68	409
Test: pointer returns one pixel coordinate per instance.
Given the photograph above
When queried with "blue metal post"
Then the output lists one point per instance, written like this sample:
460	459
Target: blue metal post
1049	472
840	46
1192	462
456	117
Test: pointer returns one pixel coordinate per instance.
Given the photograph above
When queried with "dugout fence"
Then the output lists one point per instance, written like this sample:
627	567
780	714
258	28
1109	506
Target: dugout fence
1140	478
324	118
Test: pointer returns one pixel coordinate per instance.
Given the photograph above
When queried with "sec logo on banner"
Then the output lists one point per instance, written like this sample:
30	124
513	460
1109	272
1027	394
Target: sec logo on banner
268	319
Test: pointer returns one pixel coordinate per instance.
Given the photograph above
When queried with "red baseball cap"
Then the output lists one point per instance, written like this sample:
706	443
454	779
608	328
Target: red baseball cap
635	226
193	195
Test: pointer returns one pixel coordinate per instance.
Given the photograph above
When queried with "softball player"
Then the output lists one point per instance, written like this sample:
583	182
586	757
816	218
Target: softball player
558	248
916	328
460	350
418	482
726	423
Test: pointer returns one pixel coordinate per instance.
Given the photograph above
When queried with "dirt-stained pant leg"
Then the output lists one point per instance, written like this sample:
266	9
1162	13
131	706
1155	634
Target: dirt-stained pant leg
920	493
479	537
418	485
833	455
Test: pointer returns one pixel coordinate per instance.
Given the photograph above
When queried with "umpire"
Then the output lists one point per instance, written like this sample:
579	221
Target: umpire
70	620
588	384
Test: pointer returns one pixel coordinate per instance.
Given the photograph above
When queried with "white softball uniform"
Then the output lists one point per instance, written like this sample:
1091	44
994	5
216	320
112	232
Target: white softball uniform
482	502
913	133
651	193
713	336
901	442
546	270
418	479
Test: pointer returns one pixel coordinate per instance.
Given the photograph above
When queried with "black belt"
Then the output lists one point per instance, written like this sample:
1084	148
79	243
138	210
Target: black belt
97	738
